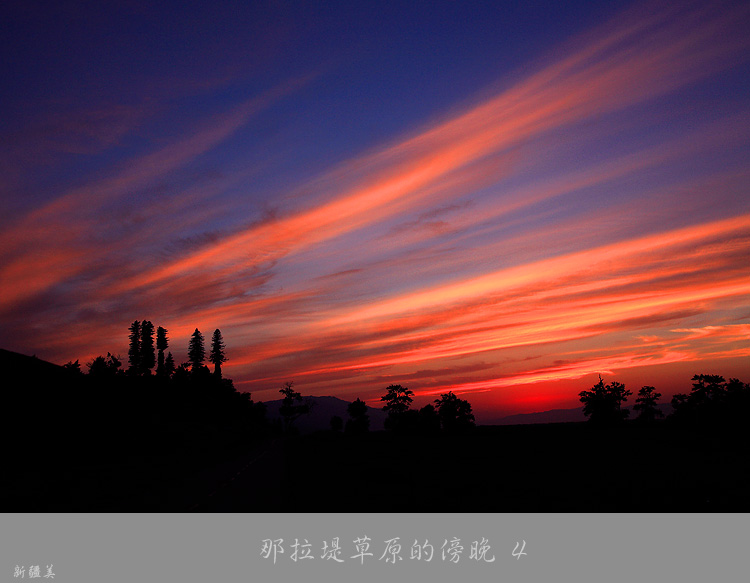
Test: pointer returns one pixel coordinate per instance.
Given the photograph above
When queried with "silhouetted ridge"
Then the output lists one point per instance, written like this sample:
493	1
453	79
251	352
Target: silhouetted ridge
14	363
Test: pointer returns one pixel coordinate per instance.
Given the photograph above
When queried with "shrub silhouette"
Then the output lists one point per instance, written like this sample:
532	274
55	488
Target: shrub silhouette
104	367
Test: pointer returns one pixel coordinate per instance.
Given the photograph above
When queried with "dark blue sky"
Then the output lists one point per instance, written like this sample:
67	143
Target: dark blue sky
79	74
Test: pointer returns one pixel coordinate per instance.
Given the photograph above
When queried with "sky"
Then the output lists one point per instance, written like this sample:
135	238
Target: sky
497	200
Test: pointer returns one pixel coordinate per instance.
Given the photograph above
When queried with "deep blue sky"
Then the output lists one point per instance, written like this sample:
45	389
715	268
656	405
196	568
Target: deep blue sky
77	74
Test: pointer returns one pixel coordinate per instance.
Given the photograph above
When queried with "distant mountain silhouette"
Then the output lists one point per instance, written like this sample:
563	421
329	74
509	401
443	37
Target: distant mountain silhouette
559	416
552	416
323	409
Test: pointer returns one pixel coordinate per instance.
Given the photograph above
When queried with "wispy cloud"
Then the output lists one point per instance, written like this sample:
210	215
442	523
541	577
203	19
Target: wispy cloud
55	242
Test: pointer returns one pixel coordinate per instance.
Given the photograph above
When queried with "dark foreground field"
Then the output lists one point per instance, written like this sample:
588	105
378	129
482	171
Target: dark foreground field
530	468
569	467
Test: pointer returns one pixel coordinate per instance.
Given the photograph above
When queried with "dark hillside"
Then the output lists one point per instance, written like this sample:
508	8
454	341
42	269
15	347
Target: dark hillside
14	363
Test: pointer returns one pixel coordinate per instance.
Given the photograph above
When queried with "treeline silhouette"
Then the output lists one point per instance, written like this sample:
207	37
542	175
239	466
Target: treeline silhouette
691	459
151	421
150	408
713	402
155	403
89	433
150	405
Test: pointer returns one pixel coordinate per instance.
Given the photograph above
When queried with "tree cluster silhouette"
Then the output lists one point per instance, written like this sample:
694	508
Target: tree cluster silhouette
105	405
107	411
449	413
141	354
712	402
455	414
110	412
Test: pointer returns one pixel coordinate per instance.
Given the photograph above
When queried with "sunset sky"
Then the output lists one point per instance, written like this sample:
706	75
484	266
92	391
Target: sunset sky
500	199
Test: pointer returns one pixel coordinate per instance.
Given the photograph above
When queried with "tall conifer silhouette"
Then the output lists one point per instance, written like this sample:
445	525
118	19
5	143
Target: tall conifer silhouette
217	356
169	366
134	349
148	357
196	350
162	343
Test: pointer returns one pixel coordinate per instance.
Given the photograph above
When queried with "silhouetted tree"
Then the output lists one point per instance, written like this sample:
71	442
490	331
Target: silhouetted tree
737	393
134	348
711	401
74	368
148	357
162	343
337	423
703	401
680	407
603	403
292	405
102	367
359	420
181	374
734	388
169	366
646	404
397	399
196	350
737	402
217	356
454	413
708	388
